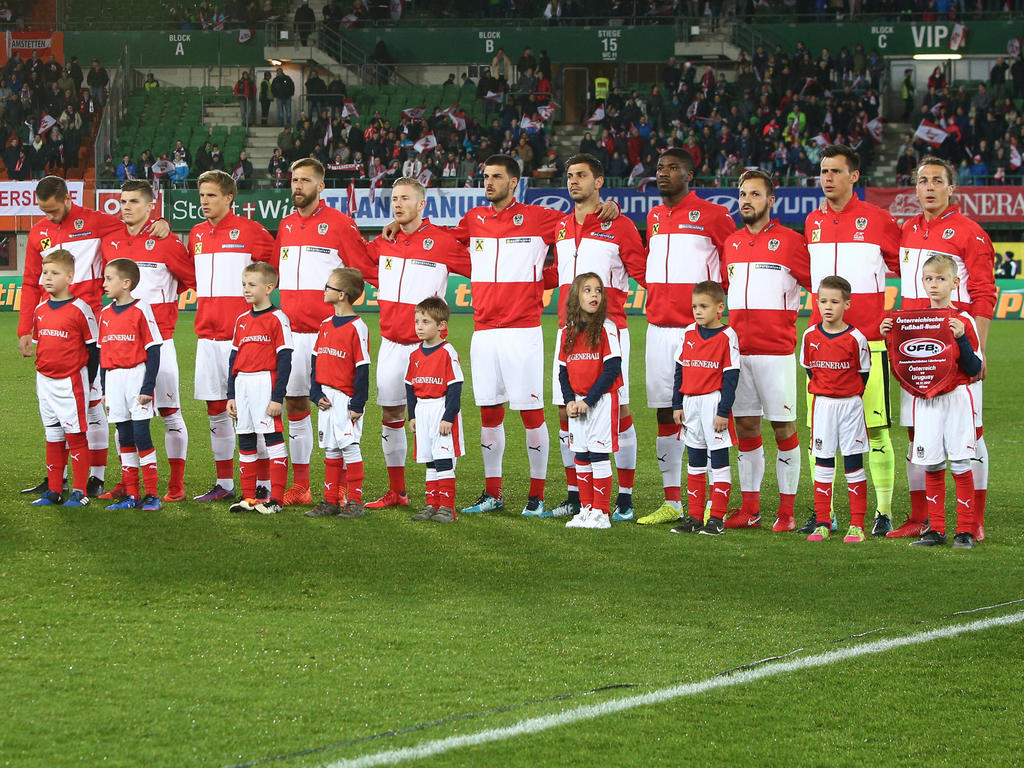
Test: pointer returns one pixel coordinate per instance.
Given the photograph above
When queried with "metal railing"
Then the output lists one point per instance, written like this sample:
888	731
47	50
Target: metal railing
121	85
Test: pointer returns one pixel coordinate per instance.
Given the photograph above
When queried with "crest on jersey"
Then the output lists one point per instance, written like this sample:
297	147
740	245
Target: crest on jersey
199	247
694	216
862	223
773	245
655	228
606	225
284	254
79	223
518	219
387	263
44	243
948	234
150	245
234	233
731	267
428	244
817	443
480	243
816	236
322	228
561	234
920	451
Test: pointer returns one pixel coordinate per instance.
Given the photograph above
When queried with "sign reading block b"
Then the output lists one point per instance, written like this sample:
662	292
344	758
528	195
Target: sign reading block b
922	351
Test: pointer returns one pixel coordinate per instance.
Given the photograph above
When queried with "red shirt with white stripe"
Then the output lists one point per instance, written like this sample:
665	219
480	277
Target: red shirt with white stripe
258	337
126	333
165	270
584	362
860	243
61	331
836	361
964	241
430	374
763	273
684	247
220	252
79	233
508	249
339	350
610	249
705	360
410	269
307	249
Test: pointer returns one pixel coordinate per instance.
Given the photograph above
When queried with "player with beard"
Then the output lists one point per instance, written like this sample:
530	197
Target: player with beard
942	228
859	242
311	242
685	237
763	266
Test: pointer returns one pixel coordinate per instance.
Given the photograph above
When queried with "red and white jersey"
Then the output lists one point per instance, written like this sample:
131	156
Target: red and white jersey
508	249
684	247
257	339
610	249
342	345
79	233
126	333
859	243
705	360
763	274
836	361
432	369
61	331
308	248
220	253
964	241
410	269
584	362
165	270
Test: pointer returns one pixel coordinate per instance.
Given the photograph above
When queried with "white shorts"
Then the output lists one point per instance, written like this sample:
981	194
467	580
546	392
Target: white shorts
334	427
698	430
767	387
976	396
508	366
252	398
122	395
660	364
907	405
302	352
168	390
392	366
943	428
64	401
212	369
597	431
623	393
838	423
431	445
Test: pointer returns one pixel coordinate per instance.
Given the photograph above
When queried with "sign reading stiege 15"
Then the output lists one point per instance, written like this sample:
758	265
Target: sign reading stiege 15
18	198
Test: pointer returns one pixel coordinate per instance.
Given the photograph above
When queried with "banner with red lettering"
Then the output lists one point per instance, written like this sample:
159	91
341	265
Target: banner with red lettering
983	204
18	198
922	350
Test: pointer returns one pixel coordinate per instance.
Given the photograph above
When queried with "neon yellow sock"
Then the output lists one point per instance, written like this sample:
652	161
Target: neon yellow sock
882	466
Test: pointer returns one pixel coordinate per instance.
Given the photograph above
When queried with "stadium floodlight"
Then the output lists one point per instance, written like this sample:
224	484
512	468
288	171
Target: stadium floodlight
938	56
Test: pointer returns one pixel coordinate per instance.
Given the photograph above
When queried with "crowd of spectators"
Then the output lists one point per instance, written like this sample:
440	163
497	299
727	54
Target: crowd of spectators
48	109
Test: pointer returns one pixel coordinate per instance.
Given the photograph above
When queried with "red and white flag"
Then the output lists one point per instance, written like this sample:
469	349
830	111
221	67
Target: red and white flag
414	113
244	35
1013	47
425	176
527	123
822	140
46	122
957	37
352	198
930	133
329	133
426	142
875	129
497	98
807	82
374	183
546	110
449	111
636	173
458	120
1014	157
597	117
348	108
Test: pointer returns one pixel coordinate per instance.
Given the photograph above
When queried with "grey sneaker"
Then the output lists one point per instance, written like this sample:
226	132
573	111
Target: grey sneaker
425	514
963	541
268	507
687	524
882	526
324	509
443	515
352	509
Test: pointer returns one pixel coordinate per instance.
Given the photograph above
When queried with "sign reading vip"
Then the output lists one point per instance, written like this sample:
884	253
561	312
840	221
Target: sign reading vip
922	351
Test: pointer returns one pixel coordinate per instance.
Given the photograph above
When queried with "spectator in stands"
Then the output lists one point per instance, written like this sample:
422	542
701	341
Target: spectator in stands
937	79
316	92
180	148
282	87
97	80
179	176
278	169
245	92
70	123
266	97
906	165
527	82
1008	268
243	171
150	85
18	167
40	154
413	166
1017	73
144	165
997	78
978	171
216	159
982	100
501	65
305	22
107	172
125	169
202	162
66	82
907	91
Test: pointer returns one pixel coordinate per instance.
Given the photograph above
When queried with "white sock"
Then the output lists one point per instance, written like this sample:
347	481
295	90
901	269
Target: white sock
979	467
750	468
222	438
300	439
537	449
395	444
916	477
787	470
568	459
625	457
263	453
670	460
175	436
492	445
97	435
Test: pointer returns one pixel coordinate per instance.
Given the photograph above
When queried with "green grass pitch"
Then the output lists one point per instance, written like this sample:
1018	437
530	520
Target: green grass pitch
192	637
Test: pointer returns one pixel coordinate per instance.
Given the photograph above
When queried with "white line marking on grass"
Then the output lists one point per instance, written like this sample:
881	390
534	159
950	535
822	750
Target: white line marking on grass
547	722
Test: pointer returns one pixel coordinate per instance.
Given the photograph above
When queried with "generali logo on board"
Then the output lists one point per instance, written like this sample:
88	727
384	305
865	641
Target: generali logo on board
983	204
